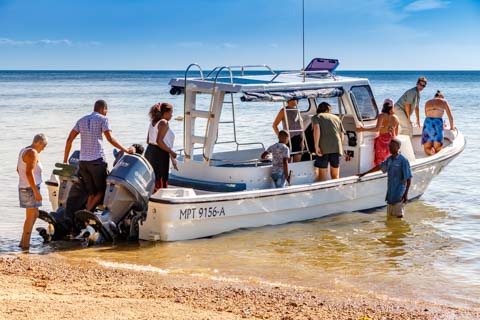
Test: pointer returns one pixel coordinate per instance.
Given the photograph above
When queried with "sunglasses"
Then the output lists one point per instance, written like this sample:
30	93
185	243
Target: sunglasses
422	84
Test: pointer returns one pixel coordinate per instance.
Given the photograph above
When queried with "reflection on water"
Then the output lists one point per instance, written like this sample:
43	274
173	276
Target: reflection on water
351	251
396	233
431	254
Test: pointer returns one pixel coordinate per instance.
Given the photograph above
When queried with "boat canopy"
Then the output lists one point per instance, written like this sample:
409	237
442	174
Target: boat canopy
285	95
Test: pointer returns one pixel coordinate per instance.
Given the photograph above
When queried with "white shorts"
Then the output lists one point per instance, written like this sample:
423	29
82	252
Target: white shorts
396	210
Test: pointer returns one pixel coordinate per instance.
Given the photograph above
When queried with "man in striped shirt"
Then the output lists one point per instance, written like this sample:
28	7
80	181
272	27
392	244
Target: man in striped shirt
93	164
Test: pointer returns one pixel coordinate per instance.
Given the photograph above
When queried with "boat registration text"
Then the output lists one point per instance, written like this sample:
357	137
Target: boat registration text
200	213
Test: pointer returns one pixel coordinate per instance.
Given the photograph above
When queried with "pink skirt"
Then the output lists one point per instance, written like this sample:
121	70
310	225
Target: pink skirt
381	147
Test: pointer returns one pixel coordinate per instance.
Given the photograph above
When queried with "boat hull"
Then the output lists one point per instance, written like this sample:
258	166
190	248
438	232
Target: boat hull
183	218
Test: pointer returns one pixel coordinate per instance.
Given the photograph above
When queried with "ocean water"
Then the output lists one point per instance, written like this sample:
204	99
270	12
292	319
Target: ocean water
432	254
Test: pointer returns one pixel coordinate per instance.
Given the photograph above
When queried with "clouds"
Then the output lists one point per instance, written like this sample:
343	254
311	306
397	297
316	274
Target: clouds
230	45
423	5
199	44
46	42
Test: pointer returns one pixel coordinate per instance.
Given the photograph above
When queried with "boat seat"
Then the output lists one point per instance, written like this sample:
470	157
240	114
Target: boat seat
251	163
210	186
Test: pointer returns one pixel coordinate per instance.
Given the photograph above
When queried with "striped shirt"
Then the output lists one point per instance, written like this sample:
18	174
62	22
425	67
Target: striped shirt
91	128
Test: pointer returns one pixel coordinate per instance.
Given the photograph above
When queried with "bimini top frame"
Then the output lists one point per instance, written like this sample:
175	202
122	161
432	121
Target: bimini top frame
256	83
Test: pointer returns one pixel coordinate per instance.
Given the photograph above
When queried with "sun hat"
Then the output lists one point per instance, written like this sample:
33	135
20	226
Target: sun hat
389	102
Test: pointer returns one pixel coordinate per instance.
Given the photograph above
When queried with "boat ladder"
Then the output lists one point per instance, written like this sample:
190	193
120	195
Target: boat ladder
228	102
298	115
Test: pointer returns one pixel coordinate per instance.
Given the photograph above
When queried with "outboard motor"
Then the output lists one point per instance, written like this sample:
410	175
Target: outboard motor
66	195
58	190
129	187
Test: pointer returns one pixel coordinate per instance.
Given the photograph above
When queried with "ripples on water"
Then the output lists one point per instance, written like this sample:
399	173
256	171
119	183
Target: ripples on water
432	254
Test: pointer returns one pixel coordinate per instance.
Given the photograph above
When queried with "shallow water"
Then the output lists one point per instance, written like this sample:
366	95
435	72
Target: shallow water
431	255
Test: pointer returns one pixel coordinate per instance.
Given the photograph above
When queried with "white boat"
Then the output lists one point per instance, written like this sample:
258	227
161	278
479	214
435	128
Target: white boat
219	191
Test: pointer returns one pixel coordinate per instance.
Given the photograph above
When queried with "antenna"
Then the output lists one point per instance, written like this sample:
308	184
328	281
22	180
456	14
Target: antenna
303	39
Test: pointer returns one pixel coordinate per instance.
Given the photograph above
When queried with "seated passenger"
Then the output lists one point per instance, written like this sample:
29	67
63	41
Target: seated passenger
294	121
387	127
432	133
280	156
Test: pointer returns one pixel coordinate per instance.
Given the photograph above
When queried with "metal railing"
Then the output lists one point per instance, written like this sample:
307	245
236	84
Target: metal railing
241	68
214	75
185	100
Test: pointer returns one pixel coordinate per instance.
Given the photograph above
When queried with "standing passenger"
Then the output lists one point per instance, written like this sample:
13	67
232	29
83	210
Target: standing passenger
387	127
160	141
432	133
93	164
29	171
295	125
408	103
328	136
399	178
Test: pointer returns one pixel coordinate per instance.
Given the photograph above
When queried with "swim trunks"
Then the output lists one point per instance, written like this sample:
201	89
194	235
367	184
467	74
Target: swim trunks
432	130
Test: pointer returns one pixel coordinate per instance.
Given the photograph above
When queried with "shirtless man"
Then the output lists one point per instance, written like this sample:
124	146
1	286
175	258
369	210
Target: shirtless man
432	134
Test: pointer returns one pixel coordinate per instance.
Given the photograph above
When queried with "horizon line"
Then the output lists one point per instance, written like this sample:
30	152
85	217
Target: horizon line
182	70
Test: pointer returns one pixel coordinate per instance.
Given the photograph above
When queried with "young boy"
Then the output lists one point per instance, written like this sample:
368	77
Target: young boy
280	155
399	178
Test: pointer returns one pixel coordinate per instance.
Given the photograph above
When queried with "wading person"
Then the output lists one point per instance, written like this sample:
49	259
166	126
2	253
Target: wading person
294	121
387	128
93	164
280	156
407	104
432	132
328	136
29	171
399	175
160	141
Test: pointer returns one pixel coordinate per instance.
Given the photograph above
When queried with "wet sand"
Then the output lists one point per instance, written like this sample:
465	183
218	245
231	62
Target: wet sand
52	287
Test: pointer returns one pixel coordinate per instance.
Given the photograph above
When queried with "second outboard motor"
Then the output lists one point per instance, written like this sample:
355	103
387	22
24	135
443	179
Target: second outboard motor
129	187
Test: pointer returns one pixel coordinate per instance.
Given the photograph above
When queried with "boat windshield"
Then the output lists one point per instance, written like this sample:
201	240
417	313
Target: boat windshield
364	102
303	105
335	103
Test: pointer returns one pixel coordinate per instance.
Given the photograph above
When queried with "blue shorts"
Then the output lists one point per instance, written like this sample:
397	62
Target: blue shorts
27	198
432	130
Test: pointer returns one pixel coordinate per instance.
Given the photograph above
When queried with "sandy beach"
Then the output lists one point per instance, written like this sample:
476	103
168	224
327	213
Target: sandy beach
50	287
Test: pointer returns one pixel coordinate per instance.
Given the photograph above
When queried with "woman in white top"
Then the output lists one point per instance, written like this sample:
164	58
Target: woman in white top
160	141
29	171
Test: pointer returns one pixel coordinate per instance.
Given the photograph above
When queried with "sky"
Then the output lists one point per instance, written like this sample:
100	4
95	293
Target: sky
169	35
